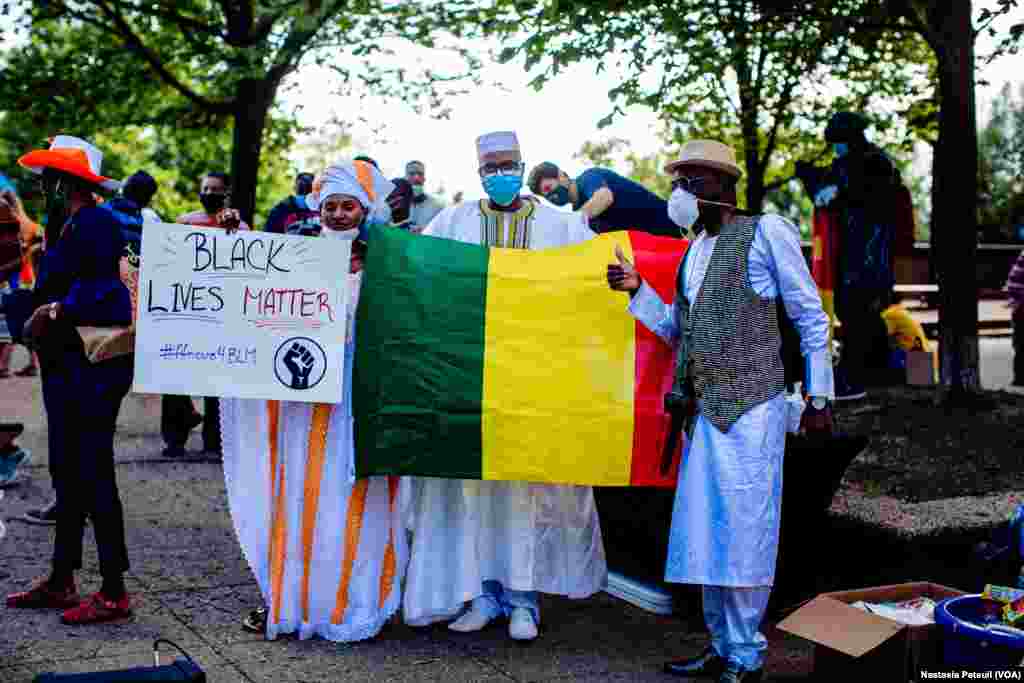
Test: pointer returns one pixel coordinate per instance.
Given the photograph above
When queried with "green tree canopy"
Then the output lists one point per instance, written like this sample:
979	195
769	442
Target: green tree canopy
724	69
1000	164
205	64
72	82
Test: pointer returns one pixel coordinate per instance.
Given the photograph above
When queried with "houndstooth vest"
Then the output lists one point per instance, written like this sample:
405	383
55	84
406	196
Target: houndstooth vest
730	342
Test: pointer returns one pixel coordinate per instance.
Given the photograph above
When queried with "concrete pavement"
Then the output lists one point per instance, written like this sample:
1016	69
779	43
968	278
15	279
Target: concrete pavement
191	585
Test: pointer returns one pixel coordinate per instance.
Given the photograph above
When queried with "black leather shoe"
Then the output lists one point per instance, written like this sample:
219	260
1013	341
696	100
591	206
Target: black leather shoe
737	674
707	663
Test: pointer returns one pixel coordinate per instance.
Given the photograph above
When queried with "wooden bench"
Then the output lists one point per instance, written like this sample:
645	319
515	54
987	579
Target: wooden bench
931	330
917	289
928	294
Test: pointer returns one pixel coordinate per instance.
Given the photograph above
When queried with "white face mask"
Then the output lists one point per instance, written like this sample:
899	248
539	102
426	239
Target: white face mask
339	234
682	209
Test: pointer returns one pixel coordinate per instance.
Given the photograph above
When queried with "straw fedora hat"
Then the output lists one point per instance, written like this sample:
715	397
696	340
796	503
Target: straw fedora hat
73	156
708	153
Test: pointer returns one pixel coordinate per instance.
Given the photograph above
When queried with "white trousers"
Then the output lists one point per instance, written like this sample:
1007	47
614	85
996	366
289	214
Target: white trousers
498	601
733	616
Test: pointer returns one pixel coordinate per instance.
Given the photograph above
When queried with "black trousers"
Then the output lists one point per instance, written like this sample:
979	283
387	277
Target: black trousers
1018	346
176	418
865	346
176	415
211	424
82	403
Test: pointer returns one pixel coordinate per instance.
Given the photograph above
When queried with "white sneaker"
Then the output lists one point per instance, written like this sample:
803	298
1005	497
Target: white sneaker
473	620
521	625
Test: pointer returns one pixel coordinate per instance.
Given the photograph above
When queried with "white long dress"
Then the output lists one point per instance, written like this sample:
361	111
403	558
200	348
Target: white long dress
328	552
528	537
725	521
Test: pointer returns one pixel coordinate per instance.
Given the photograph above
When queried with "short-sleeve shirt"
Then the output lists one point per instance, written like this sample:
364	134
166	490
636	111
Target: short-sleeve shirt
634	206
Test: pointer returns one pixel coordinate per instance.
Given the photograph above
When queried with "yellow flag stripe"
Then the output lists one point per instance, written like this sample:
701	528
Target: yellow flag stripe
558	340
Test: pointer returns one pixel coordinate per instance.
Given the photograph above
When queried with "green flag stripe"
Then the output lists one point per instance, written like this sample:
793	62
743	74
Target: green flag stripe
433	404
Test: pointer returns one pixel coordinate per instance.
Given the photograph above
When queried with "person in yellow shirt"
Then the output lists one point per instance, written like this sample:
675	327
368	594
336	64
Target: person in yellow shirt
905	335
904	332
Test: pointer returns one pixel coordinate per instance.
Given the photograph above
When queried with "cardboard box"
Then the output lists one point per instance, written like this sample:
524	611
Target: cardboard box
851	644
922	368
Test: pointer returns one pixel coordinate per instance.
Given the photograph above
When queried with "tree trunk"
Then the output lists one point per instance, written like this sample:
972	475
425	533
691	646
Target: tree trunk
954	237
752	159
755	186
255	97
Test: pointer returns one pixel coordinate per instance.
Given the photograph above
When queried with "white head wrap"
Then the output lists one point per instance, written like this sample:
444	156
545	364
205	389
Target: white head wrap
500	141
357	179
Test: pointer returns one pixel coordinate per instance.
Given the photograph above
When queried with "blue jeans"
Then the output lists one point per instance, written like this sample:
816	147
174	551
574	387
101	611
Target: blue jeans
497	601
733	616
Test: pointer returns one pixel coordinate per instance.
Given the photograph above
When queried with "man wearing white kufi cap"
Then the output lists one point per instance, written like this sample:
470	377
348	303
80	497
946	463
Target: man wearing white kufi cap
492	544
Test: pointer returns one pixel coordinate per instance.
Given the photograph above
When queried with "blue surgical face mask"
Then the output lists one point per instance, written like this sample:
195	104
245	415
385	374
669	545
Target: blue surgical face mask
841	149
558	196
503	189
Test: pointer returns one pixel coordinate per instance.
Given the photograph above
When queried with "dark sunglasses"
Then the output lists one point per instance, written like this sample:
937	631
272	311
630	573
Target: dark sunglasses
504	168
688	184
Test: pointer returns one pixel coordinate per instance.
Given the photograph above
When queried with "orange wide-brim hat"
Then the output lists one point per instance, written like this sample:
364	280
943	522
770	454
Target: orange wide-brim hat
73	156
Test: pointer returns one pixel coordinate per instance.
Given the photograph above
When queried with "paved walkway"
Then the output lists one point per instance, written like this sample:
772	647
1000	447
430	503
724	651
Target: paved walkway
191	585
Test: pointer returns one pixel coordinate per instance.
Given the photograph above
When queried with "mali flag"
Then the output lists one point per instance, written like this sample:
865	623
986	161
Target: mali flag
504	364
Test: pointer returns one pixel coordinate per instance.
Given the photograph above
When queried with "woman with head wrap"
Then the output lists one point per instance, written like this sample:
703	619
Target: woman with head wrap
327	551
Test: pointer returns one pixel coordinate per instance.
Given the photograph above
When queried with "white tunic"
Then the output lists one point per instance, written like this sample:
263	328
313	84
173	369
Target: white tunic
725	522
529	537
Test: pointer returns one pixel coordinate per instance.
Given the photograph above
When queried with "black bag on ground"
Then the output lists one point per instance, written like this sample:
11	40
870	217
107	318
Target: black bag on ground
184	669
178	670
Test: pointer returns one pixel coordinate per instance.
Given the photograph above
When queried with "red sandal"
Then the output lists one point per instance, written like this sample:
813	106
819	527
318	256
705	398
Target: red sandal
42	596
98	609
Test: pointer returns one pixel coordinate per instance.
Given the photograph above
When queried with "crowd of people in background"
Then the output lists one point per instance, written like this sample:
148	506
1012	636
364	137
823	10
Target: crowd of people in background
479	551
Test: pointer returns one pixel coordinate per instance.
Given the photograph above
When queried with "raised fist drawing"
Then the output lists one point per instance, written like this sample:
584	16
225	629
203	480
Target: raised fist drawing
299	362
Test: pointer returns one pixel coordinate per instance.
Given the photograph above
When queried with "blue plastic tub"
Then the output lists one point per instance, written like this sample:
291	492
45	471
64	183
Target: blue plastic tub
966	640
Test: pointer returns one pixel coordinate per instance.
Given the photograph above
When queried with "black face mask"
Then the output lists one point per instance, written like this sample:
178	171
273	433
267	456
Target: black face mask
212	203
58	195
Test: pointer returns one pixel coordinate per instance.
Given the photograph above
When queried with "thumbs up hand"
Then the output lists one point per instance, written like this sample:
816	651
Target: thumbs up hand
622	276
